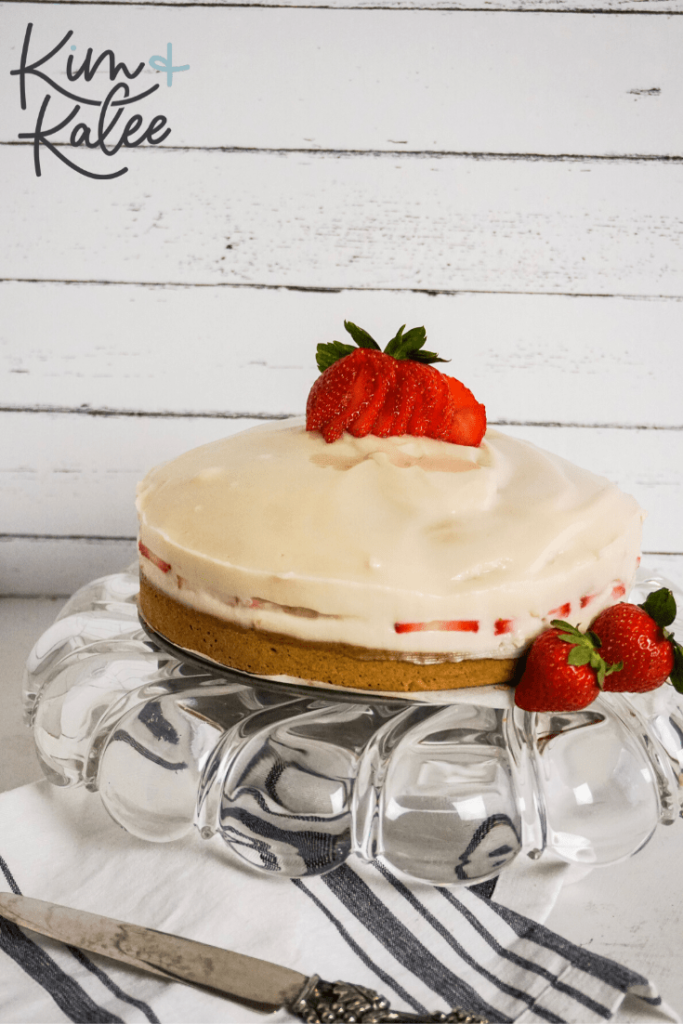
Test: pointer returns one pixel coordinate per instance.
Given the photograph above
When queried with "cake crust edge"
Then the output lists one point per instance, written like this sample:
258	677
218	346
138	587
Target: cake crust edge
270	654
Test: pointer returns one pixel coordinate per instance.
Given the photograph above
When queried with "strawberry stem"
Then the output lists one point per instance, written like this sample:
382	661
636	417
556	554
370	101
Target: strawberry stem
402	346
584	650
361	337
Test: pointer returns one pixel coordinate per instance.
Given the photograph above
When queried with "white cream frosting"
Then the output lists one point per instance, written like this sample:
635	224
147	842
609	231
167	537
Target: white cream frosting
404	544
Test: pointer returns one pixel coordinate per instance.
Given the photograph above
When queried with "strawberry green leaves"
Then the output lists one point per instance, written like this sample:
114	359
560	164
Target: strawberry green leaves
361	337
584	650
408	345
660	605
330	353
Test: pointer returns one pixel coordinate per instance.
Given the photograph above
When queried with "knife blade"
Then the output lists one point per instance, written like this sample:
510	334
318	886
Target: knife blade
255	983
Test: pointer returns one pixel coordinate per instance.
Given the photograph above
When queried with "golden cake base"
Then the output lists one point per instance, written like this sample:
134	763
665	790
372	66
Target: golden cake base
271	654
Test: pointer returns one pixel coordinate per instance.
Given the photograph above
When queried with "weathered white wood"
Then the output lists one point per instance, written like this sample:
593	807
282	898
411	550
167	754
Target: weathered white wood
531	359
46	567
289	81
354	221
518	6
70	475
416	80
76	475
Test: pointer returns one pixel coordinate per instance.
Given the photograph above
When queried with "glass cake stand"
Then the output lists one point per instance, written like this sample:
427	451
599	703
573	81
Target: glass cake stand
448	788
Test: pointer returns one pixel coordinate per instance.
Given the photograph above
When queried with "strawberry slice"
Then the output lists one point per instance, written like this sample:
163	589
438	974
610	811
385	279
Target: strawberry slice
502	626
387	414
342	398
436	411
439	625
407	395
431	389
468	426
562	610
154	559
383	382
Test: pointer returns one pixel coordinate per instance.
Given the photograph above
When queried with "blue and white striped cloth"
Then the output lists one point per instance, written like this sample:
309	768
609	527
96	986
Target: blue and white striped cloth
424	947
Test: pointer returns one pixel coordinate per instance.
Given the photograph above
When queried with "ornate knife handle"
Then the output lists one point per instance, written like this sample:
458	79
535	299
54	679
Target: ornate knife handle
338	1002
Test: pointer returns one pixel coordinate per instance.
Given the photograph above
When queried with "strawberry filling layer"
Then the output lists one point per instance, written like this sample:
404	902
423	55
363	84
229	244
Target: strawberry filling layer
502	626
562	610
448	625
154	559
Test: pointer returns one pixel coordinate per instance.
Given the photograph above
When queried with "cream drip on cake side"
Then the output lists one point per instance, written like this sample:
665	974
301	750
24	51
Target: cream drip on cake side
404	544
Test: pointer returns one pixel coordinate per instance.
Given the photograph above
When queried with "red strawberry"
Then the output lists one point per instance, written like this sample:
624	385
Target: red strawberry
383	381
387	414
563	671
637	636
408	397
364	390
336	402
434	415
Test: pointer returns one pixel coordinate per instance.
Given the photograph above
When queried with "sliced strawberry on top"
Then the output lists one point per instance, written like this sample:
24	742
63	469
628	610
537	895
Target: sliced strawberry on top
364	390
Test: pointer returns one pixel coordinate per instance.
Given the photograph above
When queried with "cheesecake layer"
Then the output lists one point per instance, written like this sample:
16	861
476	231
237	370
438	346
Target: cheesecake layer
415	548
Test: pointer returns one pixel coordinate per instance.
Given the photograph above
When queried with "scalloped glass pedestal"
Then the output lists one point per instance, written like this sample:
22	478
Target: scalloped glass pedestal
448	788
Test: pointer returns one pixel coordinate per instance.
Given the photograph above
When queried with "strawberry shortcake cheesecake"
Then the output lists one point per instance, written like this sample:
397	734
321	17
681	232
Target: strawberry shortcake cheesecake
387	540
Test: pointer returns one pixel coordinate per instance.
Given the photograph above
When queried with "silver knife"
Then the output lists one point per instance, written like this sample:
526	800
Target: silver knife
255	983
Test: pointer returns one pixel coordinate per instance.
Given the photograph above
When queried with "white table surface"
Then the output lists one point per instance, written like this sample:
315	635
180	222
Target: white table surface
631	912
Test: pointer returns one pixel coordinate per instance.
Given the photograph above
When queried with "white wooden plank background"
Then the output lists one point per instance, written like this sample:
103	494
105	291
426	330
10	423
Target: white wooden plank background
510	178
217	351
377	80
311	220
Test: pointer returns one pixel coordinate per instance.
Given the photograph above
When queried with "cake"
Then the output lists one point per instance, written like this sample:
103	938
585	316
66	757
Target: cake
399	563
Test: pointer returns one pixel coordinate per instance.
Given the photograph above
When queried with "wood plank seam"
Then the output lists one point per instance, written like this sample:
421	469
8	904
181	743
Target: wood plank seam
338	289
577	10
69	536
418	154
161	414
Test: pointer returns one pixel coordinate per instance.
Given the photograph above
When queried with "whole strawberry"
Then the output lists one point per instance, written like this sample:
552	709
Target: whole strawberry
364	390
637	636
564	671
